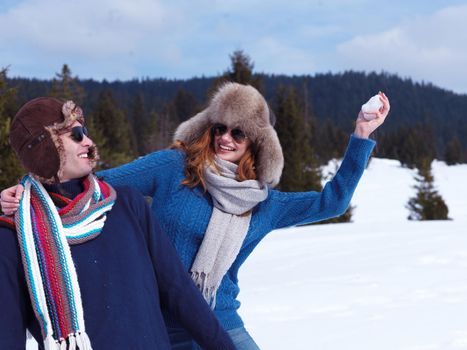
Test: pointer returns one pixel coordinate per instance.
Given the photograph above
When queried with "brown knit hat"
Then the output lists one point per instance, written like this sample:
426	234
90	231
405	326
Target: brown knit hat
34	135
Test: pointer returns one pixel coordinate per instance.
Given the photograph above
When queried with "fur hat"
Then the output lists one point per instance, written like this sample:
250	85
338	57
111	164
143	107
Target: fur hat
34	135
243	107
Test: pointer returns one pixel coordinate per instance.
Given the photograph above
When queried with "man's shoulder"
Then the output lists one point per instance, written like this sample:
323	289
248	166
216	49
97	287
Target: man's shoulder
127	192
8	239
128	197
7	222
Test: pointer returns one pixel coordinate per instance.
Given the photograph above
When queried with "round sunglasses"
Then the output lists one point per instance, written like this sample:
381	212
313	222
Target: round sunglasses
237	134
77	133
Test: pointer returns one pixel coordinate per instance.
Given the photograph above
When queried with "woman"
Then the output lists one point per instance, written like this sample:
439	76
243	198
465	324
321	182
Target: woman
212	194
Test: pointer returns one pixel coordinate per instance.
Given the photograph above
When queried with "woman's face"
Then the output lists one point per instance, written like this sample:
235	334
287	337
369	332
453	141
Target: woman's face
230	144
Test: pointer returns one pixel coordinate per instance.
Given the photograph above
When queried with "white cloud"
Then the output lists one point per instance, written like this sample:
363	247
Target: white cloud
274	56
430	48
313	31
108	31
70	26
122	39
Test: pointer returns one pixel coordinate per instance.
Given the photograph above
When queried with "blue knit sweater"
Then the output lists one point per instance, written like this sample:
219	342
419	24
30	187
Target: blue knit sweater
126	275
184	213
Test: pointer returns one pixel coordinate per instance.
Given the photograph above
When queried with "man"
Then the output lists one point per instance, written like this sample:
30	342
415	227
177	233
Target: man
83	265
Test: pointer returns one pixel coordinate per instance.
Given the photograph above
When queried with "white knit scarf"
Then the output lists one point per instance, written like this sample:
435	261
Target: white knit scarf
227	227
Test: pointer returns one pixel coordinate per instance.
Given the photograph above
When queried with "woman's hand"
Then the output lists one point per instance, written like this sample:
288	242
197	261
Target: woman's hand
365	127
9	199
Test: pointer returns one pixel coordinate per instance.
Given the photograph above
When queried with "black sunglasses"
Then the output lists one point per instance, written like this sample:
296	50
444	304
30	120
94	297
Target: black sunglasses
78	133
237	134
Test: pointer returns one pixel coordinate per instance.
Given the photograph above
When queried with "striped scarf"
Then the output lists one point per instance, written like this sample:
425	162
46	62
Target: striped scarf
45	233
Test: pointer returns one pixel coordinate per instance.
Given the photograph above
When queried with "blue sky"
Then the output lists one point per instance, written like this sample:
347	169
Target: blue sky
123	39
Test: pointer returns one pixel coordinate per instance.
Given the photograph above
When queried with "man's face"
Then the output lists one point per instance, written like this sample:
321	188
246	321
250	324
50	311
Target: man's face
77	164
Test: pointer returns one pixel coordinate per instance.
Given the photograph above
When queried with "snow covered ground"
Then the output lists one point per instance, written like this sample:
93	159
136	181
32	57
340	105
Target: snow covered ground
381	282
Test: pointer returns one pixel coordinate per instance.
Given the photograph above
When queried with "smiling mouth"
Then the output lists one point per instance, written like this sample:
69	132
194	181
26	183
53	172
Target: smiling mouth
90	154
226	148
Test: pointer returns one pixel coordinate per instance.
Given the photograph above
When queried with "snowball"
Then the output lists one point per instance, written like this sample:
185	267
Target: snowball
370	108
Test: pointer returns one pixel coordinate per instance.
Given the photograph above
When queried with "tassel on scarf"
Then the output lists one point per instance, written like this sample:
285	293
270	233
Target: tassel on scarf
209	293
79	342
82	341
50	343
76	341
72	342
87	341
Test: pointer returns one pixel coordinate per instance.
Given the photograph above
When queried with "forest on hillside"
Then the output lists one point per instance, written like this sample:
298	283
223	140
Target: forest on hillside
315	115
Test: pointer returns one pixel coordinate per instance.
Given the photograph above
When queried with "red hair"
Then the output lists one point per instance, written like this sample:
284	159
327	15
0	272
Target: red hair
200	152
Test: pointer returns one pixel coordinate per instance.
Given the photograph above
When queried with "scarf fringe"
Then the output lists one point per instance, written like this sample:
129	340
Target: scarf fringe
209	293
50	343
72	341
76	341
79	341
87	341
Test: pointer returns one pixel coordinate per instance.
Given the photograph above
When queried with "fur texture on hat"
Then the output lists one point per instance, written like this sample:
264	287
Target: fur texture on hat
243	107
34	135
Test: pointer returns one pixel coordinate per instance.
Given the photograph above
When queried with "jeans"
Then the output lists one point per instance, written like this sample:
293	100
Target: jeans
181	340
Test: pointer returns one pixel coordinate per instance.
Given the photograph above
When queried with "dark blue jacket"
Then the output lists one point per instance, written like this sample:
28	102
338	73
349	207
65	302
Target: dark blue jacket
126	275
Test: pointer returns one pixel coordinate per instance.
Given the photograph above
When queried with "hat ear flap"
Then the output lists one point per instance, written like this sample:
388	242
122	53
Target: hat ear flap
192	128
43	159
270	159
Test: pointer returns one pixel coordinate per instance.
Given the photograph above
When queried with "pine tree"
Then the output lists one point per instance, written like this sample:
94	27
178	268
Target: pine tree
185	106
11	169
110	130
166	125
328	140
240	71
66	87
139	124
300	169
411	145
163	124
453	152
427	203
152	137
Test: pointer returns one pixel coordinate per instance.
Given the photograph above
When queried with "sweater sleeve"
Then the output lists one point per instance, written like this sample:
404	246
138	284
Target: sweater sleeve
295	208
178	294
144	173
14	298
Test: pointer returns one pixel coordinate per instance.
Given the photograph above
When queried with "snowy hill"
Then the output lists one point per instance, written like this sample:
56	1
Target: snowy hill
386	187
379	283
